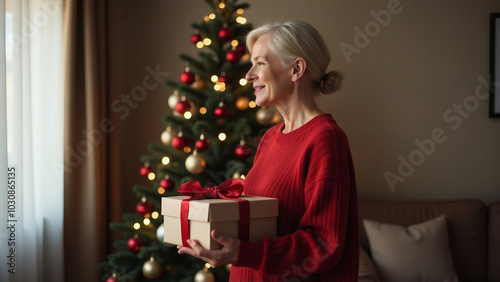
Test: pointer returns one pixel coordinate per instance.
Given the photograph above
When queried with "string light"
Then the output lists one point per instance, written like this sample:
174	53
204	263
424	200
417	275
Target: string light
217	87
147	221
240	11
203	110
242	176
188	115
234	43
243	82
151	176
187	149
165	160
222	6
222	136
252	104
206	18
207	265
155	215
214	78
200	44
137	225
161	190
207	41
241	20
211	16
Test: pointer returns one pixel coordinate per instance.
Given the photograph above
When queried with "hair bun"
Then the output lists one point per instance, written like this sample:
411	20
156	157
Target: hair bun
331	82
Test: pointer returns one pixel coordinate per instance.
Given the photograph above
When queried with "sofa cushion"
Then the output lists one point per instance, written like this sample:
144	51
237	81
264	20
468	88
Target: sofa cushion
466	222
367	271
419	252
494	242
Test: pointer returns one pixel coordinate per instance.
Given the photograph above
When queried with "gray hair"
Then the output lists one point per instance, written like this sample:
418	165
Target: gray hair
293	39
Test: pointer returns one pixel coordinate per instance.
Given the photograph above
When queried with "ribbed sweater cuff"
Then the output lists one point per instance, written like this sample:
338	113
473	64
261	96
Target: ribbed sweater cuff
250	254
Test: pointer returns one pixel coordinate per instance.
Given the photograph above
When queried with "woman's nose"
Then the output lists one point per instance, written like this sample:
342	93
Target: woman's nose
250	76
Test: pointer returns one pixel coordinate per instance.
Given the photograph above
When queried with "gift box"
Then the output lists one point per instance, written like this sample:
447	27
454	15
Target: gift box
222	215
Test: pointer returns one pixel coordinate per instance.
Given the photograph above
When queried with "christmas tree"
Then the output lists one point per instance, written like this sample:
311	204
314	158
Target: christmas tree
211	136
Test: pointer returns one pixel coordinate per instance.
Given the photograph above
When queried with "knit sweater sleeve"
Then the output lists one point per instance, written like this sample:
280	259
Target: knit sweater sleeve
318	243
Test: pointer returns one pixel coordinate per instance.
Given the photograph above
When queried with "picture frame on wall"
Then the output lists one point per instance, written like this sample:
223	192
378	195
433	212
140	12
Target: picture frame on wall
494	110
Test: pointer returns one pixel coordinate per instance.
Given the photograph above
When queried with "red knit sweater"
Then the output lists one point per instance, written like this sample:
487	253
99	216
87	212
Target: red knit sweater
310	171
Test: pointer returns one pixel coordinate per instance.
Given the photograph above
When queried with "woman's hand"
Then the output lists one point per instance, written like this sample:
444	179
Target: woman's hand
226	255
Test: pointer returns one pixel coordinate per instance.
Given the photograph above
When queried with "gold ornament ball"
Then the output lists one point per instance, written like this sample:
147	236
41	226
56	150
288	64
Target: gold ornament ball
242	103
204	276
264	116
198	84
173	100
167	136
195	163
151	269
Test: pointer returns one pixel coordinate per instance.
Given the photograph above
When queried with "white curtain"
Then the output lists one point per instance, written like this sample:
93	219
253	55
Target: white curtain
31	141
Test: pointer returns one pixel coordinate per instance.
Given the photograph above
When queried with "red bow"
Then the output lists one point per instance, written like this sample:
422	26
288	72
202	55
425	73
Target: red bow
231	188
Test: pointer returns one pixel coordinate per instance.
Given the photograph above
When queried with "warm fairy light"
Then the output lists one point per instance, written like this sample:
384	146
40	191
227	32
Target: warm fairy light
217	87
165	160
147	221
188	115
222	6
211	16
214	78
242	176
222	136
240	11
187	149
147	215
203	110
151	176
245	57
137	225
252	104
241	20
222	87
200	44
243	82
154	215
234	43
206	18
207	265
161	190
207	41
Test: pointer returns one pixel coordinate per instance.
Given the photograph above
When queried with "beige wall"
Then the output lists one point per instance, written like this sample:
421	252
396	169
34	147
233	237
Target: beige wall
403	86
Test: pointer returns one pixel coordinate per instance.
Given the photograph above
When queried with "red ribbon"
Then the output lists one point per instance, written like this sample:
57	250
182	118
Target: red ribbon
230	189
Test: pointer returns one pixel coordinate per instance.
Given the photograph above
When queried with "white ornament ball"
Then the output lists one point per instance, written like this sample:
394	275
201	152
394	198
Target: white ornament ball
173	100
264	116
160	233
195	163
204	276
167	136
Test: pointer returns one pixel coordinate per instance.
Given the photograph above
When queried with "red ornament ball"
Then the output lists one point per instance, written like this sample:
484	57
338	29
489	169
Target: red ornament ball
202	145
242	152
223	79
111	279
167	184
187	77
221	112
145	171
225	33
182	107
195	38
134	244
233	56
144	208
180	142
241	49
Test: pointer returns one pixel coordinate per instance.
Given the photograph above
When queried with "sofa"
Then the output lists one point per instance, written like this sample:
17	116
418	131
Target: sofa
471	240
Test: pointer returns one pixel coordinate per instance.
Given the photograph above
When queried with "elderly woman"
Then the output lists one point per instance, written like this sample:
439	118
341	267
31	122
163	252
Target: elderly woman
305	162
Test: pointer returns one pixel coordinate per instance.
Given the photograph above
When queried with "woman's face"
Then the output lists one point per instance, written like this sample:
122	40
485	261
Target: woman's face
271	80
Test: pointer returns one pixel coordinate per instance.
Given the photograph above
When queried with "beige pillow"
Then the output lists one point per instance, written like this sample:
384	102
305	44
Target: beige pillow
367	272
419	252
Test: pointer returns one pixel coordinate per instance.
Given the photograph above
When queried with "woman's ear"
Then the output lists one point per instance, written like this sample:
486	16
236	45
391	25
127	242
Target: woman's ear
298	68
